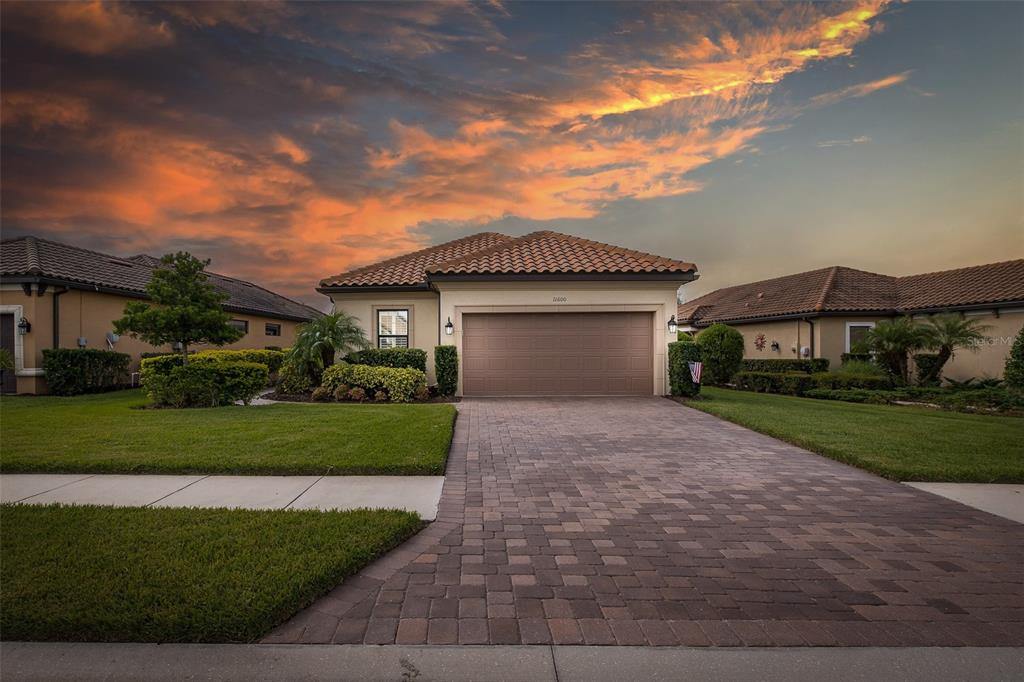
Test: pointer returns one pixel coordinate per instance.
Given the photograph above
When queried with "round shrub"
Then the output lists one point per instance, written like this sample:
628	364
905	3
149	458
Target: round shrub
341	392
380	396
357	394
422	393
721	350
321	394
336	375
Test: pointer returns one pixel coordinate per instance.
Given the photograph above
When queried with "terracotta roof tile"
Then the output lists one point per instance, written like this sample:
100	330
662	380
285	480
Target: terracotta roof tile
410	269
492	253
556	253
35	257
841	289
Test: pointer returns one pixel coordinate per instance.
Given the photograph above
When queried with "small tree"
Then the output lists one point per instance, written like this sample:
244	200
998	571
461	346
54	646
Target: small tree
945	334
320	341
892	342
185	309
1014	372
721	352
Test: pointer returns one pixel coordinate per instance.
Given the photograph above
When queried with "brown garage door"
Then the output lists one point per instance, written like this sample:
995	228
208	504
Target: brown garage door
557	354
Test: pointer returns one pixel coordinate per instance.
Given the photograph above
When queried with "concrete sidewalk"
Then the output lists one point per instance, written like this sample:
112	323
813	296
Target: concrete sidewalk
24	661
1001	499
414	493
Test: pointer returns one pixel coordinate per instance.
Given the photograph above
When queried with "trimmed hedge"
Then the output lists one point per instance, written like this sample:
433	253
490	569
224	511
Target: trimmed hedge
800	383
415	358
163	364
680	354
1014	369
400	383
859	357
293	380
207	384
73	371
785	365
446	366
970	400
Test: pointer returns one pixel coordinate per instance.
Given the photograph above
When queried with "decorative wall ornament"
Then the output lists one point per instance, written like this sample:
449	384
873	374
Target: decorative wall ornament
760	342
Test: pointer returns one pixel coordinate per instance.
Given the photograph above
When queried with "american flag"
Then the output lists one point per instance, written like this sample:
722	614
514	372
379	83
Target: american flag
695	368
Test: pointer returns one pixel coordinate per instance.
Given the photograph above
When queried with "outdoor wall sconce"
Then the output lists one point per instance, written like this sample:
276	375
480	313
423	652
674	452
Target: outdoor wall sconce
82	342
449	328
24	326
673	327
775	346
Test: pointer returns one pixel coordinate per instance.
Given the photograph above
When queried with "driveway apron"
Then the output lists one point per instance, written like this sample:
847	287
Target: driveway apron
637	521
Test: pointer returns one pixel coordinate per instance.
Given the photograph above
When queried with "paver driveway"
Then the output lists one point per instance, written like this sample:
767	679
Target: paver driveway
640	521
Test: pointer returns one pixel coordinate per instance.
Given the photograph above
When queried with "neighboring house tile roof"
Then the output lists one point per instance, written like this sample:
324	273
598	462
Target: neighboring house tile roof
489	253
32	257
839	289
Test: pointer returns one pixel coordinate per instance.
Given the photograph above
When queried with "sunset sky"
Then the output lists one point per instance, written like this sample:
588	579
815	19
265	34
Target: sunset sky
289	142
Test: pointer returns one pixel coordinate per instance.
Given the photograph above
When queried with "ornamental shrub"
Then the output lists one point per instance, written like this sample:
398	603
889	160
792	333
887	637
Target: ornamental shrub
721	351
292	381
357	394
73	371
1014	370
850	380
680	354
808	366
927	373
416	358
341	392
207	384
321	394
446	366
400	383
380	396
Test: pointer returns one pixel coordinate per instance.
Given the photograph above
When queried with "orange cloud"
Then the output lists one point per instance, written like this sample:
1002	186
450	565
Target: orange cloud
630	119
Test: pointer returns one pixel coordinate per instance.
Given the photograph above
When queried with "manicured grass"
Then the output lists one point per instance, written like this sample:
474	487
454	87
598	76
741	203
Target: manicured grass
176	575
901	443
105	434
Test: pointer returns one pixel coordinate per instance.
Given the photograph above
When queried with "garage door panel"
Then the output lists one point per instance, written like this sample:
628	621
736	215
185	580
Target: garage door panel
557	354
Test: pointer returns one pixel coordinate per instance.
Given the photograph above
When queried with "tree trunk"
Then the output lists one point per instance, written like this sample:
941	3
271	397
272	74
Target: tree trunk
184	354
943	356
328	356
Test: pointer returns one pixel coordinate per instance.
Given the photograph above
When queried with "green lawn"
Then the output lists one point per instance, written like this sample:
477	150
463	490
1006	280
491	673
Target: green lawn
106	434
901	443
176	575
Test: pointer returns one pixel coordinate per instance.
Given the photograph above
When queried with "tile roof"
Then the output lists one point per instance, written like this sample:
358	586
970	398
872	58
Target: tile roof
410	269
35	257
490	253
842	289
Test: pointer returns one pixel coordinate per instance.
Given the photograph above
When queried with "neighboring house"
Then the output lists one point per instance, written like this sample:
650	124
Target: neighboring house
543	314
68	297
823	313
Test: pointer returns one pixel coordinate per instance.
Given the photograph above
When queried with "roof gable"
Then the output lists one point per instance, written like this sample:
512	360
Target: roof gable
35	257
490	253
549	252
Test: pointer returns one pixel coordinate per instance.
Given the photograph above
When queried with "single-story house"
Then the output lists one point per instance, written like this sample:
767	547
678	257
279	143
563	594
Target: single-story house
55	295
823	313
543	314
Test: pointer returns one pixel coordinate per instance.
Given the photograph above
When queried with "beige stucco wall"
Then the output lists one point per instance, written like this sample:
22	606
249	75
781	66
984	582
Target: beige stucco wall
423	323
990	358
90	314
457	298
830	341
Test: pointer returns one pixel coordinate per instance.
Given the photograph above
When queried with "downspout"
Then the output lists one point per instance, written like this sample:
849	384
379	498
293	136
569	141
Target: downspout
57	293
810	322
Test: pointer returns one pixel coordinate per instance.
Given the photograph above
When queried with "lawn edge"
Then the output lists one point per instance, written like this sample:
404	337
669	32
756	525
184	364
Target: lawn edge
856	462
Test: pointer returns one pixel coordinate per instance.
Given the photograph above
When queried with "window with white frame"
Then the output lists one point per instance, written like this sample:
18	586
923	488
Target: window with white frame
856	333
393	328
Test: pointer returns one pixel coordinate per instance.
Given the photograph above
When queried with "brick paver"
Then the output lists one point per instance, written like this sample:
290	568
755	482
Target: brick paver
639	521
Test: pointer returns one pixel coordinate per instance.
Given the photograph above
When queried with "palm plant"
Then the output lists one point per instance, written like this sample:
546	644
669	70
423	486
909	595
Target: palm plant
892	341
945	334
319	342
